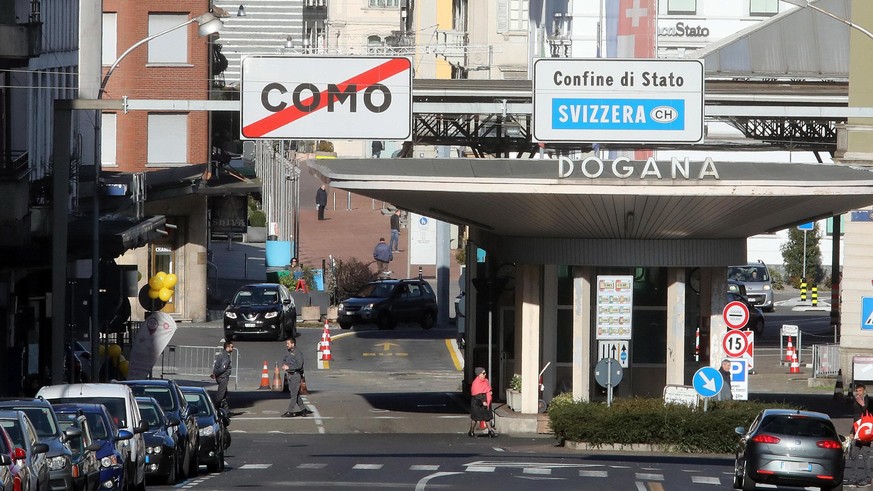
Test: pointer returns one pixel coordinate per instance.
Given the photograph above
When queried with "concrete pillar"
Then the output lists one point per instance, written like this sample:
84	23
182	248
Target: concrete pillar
716	278
528	317
581	333
550	330
676	290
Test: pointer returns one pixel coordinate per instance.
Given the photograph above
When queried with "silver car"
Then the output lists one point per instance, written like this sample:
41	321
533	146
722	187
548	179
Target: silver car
756	278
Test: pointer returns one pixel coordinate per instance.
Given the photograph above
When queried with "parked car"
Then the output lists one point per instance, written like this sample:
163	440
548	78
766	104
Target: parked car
790	448
736	292
9	468
262	309
387	302
29	452
162	452
44	419
105	432
756	278
185	433
86	468
214	437
121	404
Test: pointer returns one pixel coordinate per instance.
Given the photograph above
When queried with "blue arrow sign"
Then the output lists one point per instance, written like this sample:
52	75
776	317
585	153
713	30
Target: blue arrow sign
808	227
707	382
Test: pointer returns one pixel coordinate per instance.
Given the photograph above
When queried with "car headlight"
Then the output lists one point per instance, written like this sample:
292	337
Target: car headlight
230	315
766	287
270	315
369	306
206	431
340	307
109	461
154	450
57	463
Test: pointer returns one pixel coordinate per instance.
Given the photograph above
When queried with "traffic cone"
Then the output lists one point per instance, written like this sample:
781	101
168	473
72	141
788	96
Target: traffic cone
324	348
789	351
265	378
795	366
838	387
277	379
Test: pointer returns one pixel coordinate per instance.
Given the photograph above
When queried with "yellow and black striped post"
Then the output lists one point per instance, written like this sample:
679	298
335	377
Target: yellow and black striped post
814	296
803	289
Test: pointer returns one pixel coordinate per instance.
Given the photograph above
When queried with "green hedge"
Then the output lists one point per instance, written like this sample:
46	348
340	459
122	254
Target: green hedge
649	421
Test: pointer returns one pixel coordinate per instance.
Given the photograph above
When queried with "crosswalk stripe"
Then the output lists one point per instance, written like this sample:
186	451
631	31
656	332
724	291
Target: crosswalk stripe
585	473
424	467
368	467
642	476
312	466
480	468
536	470
706	480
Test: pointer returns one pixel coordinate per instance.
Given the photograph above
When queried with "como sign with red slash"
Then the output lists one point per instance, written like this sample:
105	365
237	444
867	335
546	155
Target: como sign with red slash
735	315
322	97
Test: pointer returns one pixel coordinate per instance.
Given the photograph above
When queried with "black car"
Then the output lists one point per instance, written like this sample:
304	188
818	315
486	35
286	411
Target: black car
263	310
790	448
387	302
737	292
44	419
86	467
214	437
185	430
162	453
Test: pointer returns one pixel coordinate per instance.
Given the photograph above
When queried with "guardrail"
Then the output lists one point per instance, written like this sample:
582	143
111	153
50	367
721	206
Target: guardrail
825	360
196	361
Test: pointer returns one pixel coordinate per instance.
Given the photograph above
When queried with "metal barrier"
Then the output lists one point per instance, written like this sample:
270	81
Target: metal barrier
195	361
825	360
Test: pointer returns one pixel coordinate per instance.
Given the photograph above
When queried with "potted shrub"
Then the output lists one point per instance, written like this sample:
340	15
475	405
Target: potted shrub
513	393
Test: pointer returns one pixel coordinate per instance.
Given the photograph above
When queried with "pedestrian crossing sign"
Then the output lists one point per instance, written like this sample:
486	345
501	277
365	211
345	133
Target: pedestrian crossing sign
867	313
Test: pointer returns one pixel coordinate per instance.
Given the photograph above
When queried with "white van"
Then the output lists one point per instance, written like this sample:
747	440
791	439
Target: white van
121	404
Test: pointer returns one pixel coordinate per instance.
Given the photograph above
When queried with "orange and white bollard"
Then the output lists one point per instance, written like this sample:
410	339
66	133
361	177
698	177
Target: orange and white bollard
277	379
795	365
789	351
265	378
324	356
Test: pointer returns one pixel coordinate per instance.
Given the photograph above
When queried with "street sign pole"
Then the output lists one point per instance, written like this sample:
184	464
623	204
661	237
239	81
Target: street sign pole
804	256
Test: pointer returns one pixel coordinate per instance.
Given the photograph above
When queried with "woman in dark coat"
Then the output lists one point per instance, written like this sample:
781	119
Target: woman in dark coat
480	404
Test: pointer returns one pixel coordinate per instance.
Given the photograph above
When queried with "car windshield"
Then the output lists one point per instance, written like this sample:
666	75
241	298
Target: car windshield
150	413
115	406
256	296
14	432
99	430
752	273
161	394
799	426
376	290
198	400
42	420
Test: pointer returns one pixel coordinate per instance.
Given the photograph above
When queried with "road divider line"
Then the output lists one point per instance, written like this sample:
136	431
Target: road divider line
455	353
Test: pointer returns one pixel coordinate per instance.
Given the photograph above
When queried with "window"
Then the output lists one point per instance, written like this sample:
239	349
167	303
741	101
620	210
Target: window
384	4
682	7
512	15
108	142
110	37
763	7
168	139
171	47
374	44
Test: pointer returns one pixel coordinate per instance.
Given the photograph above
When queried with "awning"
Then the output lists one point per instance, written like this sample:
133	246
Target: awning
117	235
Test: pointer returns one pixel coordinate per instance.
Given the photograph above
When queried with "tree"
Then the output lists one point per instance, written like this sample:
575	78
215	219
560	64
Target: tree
792	256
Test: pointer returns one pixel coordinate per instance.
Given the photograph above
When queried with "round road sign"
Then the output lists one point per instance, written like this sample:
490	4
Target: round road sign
735	315
735	343
608	372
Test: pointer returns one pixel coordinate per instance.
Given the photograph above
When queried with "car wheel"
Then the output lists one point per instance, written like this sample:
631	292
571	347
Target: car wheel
427	320
219	463
759	328
226	439
193	465
748	482
171	477
738	475
281	335
384	321
345	325
228	336
838	487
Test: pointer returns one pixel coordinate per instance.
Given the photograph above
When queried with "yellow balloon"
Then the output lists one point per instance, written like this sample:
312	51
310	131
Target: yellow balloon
121	359
123	366
170	281
161	275
138	276
156	283
114	350
165	294
154	294
101	350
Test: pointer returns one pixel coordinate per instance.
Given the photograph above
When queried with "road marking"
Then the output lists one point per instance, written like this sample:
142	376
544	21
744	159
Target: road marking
533	470
480	468
706	480
424	467
421	485
456	359
386	346
648	477
256	466
312	466
584	473
368	467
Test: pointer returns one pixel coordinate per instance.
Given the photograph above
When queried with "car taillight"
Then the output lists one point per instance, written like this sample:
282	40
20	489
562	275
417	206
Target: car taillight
829	444
765	439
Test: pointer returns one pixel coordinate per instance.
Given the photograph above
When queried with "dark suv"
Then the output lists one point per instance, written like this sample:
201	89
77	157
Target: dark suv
387	302
175	406
262	309
44	419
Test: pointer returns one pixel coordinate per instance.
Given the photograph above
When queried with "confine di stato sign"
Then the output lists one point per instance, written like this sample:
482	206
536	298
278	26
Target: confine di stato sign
618	100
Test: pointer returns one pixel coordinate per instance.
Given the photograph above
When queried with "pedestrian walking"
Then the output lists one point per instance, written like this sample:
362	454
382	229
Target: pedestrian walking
725	394
480	403
860	458
394	245
292	364
382	254
378	146
321	200
221	373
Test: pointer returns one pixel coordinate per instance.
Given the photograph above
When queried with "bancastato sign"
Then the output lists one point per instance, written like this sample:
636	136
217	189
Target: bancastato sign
681	30
625	168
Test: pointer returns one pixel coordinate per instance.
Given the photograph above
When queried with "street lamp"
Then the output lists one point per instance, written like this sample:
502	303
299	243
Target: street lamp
207	24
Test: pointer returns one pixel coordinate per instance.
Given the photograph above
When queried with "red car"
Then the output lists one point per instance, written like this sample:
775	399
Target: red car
9	468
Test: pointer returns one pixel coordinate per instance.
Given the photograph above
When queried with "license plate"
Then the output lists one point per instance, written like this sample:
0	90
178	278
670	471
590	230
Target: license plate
250	324
797	466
